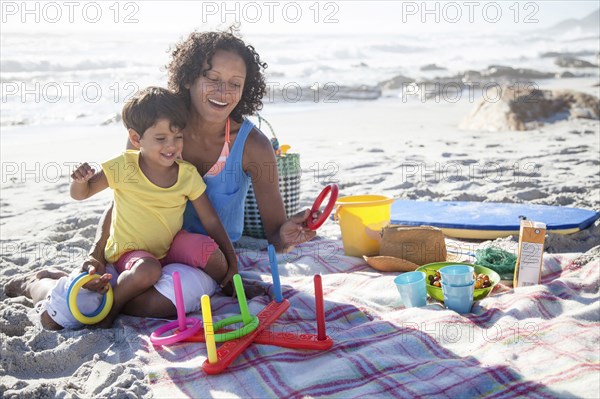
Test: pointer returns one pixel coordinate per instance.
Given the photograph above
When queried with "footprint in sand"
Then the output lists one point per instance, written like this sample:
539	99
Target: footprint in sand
523	184
13	319
62	189
44	340
468	197
375	181
424	193
365	165
50	206
14	256
80	222
574	150
593	162
74	348
114	381
531	195
78	242
74	223
5	210
452	155
468	161
59	237
456	178
43	390
563	200
17	387
402	186
527	173
342	186
88	232
472	185
573	189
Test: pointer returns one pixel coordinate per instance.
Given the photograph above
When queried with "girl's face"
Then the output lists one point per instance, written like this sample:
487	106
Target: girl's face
159	145
215	95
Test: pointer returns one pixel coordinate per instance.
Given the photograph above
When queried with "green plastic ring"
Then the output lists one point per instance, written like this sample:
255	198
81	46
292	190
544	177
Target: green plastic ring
240	332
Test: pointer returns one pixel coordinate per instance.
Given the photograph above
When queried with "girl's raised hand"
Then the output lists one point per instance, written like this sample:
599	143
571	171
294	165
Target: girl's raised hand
83	173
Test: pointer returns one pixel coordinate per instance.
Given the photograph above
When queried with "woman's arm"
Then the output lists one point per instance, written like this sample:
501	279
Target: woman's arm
261	165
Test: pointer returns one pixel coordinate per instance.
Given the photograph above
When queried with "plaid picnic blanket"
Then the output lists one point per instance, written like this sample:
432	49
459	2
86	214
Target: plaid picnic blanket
540	341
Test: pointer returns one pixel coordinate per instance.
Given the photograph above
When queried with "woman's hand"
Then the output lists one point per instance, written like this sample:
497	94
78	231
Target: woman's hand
294	231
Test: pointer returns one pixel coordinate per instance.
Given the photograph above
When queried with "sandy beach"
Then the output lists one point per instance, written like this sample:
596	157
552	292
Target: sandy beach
410	148
358	145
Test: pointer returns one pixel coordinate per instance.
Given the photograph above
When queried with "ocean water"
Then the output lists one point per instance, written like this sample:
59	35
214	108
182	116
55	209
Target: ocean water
55	78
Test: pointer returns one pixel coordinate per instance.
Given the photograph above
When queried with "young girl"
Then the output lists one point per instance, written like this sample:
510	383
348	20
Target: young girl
151	187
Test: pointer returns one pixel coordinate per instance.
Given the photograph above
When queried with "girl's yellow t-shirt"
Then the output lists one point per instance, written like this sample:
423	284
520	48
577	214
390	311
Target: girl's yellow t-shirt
145	216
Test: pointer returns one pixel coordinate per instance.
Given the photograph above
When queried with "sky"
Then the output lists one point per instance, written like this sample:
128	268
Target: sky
288	17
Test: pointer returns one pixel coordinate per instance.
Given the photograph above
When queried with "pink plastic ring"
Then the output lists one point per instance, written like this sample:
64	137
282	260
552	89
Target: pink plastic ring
333	188
193	326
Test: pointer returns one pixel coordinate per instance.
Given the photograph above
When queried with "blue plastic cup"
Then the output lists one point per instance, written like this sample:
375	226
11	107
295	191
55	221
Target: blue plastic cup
458	298
411	286
457	274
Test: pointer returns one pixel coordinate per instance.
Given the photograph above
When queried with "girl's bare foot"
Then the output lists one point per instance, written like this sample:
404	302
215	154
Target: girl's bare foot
254	290
106	323
21	285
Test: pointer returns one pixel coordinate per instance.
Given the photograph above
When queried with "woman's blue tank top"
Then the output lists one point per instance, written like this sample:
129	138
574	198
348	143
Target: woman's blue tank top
226	191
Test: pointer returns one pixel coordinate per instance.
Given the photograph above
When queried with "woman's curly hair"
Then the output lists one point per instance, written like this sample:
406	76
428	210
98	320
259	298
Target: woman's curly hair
189	55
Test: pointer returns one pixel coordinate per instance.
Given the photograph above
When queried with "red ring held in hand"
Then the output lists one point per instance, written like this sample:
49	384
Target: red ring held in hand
331	188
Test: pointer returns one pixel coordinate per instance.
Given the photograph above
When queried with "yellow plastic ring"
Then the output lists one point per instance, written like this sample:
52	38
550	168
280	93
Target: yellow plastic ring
98	315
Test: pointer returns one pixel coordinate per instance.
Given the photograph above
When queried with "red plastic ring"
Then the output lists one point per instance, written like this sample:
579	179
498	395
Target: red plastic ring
331	188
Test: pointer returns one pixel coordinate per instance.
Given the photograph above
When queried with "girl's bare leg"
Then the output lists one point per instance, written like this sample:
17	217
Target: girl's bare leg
131	283
34	285
150	303
216	266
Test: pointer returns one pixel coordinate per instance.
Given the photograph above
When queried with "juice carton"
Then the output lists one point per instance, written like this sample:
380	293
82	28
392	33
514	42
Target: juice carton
528	269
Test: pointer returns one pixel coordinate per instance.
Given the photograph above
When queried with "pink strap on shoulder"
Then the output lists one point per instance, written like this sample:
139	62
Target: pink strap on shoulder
227	128
220	164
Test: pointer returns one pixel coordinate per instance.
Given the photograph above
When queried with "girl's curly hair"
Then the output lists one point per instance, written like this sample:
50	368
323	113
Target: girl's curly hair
187	61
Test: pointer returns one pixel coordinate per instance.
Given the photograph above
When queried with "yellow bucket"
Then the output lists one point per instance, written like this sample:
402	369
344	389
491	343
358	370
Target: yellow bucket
356	213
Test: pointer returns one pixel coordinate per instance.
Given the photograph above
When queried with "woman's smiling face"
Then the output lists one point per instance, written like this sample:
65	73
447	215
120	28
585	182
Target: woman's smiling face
217	93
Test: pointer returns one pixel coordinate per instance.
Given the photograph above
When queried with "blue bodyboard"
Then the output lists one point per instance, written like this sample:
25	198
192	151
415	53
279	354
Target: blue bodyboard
488	220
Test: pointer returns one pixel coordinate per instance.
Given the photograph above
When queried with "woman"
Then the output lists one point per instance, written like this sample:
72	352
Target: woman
221	80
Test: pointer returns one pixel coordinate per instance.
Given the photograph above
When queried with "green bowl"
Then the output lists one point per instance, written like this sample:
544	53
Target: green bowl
436	292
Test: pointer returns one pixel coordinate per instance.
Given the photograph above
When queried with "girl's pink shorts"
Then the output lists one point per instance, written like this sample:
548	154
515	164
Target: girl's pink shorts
187	248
